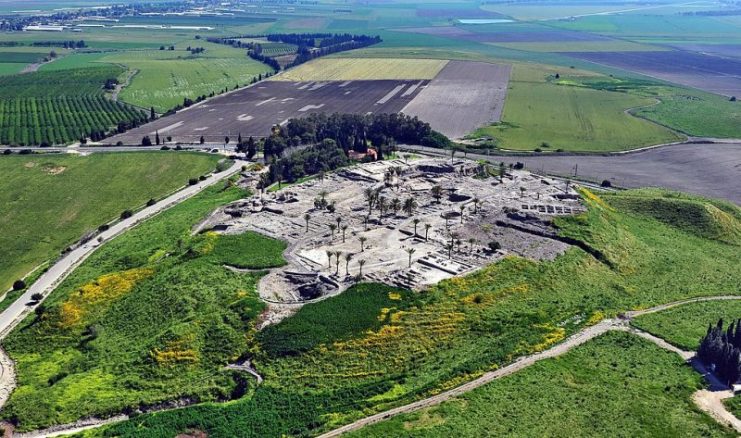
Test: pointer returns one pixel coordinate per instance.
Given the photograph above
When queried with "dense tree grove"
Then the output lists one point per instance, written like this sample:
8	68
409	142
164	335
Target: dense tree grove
353	131
723	349
322	157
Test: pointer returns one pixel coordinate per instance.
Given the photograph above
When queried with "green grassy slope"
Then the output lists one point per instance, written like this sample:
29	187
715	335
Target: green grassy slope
455	331
615	385
49	201
150	317
685	325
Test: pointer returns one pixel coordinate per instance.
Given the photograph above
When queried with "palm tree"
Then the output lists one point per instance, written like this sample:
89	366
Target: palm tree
409	205
416	222
449	247
427	230
382	206
339	221
476	202
501	171
361	263
463	208
332	227
396	205
437	193
365	220
471	241
337	255
410	251
348	257
370	198
307	216
362	239
344	228
329	257
323	195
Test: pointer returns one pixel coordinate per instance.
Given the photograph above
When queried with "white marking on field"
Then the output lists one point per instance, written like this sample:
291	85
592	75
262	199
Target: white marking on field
170	127
411	89
391	94
244	118
345	84
265	101
305	86
369	113
310	107
317	86
288	99
347	92
212	110
284	122
201	129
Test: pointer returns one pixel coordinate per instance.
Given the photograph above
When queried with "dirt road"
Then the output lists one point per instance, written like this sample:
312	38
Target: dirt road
712	407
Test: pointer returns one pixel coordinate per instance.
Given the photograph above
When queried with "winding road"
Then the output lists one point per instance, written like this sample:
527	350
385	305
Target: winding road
716	410
46	283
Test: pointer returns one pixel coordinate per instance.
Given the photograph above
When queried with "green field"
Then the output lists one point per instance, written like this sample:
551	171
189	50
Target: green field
46	108
615	385
150	317
685	325
540	110
164	78
50	201
321	373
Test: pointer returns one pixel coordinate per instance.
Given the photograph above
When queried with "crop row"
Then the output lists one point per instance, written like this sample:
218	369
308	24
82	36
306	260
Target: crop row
39	121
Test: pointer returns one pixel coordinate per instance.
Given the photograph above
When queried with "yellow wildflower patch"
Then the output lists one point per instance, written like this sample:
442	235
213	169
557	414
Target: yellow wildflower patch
176	352
593	199
556	334
384	313
98	292
596	317
395	296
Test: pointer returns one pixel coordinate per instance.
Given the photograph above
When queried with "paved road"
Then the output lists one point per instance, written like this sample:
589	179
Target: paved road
575	340
11	316
708	169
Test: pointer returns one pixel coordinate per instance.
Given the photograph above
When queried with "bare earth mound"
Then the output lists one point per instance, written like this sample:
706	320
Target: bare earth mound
462	97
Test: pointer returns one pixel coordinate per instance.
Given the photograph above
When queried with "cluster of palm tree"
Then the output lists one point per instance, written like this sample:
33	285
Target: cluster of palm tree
383	205
347	257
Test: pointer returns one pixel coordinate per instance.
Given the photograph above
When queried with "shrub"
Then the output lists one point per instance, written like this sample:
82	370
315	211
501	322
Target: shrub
494	245
202	178
146	141
606	183
19	285
37	297
151	202
103	227
193	181
165	148
7	152
126	214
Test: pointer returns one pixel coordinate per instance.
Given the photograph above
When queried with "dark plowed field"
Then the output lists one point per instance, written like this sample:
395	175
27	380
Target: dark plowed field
706	72
254	110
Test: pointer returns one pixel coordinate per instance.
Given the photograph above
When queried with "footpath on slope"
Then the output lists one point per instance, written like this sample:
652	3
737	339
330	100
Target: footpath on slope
707	400
48	281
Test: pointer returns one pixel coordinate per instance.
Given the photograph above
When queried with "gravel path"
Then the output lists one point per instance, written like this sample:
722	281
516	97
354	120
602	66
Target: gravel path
714	409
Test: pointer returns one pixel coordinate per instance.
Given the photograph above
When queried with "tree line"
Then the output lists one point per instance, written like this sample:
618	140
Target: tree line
722	348
353	131
322	157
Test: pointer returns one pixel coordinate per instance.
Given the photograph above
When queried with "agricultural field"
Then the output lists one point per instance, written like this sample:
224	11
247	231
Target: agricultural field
183	314
347	69
685	325
254	110
615	384
540	113
49	201
164	78
48	108
464	326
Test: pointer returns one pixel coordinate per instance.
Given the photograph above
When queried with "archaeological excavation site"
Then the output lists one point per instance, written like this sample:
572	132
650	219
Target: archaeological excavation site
409	222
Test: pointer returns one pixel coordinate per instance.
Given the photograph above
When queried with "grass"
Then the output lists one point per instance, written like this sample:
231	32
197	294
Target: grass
582	46
463	327
151	316
539	109
615	385
50	201
361	308
347	69
166	77
685	325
